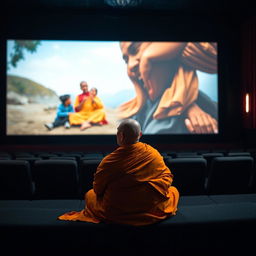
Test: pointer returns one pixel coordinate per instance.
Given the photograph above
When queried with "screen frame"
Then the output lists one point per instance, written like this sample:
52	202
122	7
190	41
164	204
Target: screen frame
215	33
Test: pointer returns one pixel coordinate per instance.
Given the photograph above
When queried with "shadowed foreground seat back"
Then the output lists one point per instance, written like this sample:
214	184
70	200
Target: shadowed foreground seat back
189	175
86	175
230	175
93	156
56	179
253	179
15	180
238	154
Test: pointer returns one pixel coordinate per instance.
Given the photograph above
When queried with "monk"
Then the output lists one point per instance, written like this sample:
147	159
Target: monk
81	98
90	111
132	185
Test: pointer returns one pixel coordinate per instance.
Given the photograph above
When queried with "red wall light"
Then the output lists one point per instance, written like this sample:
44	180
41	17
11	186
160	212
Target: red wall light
247	103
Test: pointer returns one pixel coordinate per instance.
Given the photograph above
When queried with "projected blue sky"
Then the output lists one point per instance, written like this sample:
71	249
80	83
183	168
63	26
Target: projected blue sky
61	65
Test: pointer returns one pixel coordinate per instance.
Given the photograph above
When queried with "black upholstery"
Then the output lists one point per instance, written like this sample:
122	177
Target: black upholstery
62	158
210	156
93	156
22	154
31	161
74	155
56	179
233	198
5	156
230	175
239	154
187	155
46	155
86	174
204	224
189	174
15	180
194	229
253	179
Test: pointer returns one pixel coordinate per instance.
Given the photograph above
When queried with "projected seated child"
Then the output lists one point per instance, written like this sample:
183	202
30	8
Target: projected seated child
91	112
166	84
64	109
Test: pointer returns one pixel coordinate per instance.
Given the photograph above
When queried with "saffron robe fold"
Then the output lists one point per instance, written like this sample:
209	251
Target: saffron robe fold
132	185
183	89
79	99
92	111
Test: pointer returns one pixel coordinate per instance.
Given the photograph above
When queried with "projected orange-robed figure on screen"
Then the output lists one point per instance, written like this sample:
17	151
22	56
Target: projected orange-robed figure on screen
89	109
132	185
166	84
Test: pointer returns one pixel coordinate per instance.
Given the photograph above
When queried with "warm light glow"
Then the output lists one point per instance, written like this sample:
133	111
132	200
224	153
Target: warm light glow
247	106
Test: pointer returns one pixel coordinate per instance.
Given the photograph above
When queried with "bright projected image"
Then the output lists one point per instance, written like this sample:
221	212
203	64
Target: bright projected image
57	87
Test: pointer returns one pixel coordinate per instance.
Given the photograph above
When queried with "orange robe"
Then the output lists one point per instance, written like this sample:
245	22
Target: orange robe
132	185
92	111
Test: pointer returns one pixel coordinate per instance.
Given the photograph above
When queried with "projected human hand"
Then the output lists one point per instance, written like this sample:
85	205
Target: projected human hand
155	65
200	122
84	99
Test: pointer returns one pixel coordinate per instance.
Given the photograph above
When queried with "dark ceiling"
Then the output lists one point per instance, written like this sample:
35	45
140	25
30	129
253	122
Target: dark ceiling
243	7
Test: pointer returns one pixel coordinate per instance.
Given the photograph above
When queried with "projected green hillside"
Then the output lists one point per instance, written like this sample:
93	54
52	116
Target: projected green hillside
27	87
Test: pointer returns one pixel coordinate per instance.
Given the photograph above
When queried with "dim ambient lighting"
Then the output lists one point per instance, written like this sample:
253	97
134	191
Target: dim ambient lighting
123	3
247	103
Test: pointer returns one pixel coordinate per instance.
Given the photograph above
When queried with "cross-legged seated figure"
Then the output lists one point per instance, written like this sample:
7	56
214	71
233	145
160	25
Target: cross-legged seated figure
132	185
90	110
64	109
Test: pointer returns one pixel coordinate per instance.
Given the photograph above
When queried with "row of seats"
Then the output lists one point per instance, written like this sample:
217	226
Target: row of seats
80	155
65	179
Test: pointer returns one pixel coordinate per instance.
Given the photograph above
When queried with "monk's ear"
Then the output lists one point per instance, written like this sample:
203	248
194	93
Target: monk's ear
140	135
122	137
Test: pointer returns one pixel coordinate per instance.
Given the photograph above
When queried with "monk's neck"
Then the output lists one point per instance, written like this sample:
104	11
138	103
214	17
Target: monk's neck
130	145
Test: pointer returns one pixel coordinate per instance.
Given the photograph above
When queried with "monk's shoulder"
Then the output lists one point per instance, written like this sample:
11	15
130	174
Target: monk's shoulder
151	149
112	157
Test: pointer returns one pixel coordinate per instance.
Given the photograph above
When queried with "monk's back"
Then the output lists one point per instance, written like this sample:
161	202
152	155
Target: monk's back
139	182
132	185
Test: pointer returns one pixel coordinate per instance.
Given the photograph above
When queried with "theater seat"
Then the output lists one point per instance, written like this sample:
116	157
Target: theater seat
210	156
187	155
229	175
56	179
46	156
253	179
93	156
239	154
15	180
76	156
86	174
5	156
62	158
189	175
31	161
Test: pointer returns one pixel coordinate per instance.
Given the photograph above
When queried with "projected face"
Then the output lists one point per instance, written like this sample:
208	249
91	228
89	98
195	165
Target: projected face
132	53
154	76
67	102
84	87
93	92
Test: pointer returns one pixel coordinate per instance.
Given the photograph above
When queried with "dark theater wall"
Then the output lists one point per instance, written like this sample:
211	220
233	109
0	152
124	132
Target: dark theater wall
248	45
94	24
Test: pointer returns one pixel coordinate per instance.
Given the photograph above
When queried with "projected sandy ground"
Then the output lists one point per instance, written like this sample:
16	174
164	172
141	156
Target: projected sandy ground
30	119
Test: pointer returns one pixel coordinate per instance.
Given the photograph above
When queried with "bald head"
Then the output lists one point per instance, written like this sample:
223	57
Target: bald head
128	132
